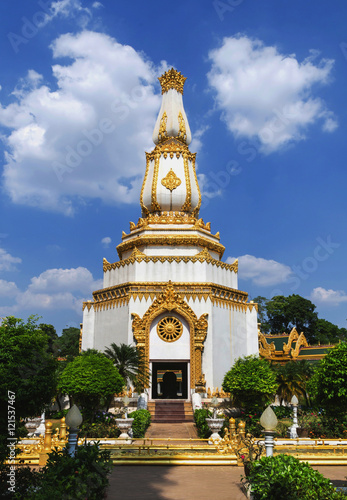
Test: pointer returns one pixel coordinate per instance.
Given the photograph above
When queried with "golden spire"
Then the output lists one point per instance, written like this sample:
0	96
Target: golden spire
172	79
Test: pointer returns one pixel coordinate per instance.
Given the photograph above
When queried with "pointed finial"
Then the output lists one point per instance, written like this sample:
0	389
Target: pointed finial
172	79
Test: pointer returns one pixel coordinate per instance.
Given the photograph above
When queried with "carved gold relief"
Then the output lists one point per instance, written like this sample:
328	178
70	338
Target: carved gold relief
293	336
162	128
301	342
188	203
170	300
266	350
182	134
155	205
172	79
169	329
171	181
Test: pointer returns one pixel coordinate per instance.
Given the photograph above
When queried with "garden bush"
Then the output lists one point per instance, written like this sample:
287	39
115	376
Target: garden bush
283	411
104	425
200	417
142	420
285	477
72	478
83	476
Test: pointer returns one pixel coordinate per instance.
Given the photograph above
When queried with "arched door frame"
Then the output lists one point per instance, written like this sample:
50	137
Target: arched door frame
169	301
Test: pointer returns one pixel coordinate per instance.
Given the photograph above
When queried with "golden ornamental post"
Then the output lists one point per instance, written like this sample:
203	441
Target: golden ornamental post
47	445
232	427
62	435
242	429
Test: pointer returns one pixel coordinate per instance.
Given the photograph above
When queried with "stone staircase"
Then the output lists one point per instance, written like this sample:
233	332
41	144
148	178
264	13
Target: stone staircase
171	411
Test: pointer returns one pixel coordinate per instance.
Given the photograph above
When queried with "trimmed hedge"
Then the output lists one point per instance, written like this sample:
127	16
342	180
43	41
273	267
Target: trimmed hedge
142	420
285	477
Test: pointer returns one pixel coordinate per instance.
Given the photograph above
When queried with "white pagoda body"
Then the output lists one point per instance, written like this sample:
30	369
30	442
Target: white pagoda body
169	293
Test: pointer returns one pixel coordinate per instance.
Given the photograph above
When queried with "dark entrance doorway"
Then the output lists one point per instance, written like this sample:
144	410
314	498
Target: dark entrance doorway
169	380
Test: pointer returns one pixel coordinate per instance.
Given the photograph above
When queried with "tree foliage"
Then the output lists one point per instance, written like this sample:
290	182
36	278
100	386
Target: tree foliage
67	345
251	381
331	381
90	380
52	336
292	379
27	374
26	368
130	364
280	314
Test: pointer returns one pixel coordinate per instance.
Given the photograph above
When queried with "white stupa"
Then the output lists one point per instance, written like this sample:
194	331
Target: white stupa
169	293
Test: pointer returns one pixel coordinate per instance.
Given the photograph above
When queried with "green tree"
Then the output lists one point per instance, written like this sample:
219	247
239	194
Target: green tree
284	313
252	382
328	333
27	370
52	336
130	364
262	313
292	379
67	345
90	380
332	381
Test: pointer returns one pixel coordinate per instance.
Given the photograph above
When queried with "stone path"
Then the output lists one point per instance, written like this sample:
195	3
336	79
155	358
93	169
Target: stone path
194	482
184	430
168	482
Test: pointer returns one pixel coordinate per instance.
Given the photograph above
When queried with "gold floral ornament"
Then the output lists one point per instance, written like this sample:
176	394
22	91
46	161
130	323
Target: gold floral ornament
162	128
182	132
171	181
169	329
172	79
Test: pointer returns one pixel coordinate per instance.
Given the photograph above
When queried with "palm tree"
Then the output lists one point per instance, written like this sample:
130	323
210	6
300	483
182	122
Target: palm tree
291	379
130	364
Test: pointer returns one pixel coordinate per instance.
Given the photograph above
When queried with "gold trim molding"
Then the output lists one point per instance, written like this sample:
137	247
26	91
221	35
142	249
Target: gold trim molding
171	218
120	295
167	240
171	301
138	256
172	79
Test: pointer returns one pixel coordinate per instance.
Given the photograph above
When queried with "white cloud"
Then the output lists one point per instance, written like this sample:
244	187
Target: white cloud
69	9
8	289
106	241
7	261
329	297
87	137
267	95
53	289
63	280
261	271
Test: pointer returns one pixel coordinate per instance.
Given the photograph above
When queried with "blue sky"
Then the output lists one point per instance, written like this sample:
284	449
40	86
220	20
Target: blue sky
266	100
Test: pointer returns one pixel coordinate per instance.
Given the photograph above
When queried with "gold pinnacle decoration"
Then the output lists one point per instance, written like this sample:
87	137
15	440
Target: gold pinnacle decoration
171	181
172	79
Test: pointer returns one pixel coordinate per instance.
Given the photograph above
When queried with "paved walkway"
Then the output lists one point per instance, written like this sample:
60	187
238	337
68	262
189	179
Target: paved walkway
194	482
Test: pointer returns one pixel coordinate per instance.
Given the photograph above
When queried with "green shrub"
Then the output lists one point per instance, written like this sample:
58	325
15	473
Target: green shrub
142	420
25	479
252	421
200	417
283	411
285	477
83	476
104	425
